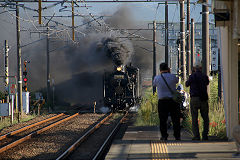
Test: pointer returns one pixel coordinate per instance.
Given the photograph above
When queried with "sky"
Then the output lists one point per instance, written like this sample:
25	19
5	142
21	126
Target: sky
66	67
151	11
139	11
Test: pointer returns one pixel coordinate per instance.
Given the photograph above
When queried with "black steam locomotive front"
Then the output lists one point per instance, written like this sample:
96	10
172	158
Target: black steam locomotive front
120	88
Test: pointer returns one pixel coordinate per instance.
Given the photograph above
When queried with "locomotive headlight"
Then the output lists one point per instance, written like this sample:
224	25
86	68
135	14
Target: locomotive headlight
119	68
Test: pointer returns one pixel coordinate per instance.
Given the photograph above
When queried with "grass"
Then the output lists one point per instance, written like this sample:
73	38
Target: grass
5	122
217	123
148	113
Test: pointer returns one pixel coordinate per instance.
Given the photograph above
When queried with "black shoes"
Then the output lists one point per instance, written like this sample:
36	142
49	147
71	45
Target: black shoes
205	138
166	138
163	138
177	138
196	138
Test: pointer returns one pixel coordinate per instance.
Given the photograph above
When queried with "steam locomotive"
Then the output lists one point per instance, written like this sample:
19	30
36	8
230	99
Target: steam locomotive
121	88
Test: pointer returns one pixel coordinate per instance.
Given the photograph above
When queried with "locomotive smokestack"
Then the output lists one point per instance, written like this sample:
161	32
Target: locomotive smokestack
119	51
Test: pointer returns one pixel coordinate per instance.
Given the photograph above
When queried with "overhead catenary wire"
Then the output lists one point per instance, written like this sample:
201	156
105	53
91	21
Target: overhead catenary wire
33	25
176	7
104	24
156	13
28	20
100	22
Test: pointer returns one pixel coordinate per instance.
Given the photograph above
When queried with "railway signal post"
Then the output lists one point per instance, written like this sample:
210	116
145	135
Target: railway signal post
6	72
25	79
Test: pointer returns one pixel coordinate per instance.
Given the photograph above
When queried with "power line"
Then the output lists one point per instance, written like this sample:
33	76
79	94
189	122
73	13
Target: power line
95	19
174	12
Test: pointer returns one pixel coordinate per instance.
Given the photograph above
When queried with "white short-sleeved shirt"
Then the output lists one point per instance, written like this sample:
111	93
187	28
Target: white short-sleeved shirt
162	89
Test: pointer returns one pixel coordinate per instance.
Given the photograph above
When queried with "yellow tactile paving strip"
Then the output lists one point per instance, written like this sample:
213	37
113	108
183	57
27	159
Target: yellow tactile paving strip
160	150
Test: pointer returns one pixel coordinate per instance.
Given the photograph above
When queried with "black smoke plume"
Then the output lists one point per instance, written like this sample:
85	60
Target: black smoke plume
76	69
119	52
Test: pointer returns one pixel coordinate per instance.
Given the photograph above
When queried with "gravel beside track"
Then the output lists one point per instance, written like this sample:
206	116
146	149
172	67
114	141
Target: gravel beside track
17	136
89	148
23	124
51	143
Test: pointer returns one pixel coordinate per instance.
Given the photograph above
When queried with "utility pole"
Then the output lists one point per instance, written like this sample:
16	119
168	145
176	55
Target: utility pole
192	43
40	11
205	37
6	72
73	33
179	55
154	53
170	59
166	32
182	39
48	69
188	39
219	77
19	59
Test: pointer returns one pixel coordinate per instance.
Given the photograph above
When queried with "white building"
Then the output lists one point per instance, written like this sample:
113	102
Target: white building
227	16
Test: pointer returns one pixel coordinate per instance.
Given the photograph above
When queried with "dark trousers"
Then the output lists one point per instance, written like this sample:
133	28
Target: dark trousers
195	105
165	107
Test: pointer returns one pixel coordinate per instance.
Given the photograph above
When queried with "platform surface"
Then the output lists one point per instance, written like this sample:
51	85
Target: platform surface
142	143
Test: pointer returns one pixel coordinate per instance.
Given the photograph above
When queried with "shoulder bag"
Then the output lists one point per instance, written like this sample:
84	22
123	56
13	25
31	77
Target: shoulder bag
177	97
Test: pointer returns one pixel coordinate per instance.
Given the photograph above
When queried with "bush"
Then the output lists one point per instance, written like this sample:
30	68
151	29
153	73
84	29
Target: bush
148	112
2	95
217	123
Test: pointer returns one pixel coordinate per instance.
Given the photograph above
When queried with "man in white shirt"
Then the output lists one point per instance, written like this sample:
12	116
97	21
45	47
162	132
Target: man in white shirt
166	104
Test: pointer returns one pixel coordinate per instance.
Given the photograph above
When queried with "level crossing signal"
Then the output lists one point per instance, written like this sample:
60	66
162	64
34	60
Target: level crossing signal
25	79
25	73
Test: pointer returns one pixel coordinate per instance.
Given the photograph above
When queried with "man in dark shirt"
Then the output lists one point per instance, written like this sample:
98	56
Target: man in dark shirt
198	83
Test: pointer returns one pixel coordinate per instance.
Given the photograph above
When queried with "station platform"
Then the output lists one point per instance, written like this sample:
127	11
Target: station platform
142	143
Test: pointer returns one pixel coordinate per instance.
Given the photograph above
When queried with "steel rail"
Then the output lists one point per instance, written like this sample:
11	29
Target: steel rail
109	138
81	139
15	143
28	127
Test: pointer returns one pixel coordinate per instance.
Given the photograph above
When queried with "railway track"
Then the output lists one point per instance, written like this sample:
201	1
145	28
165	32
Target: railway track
48	140
80	136
93	144
16	137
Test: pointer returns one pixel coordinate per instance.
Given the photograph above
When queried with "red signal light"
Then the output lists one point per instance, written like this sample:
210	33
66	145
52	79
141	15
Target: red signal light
25	73
198	54
25	79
